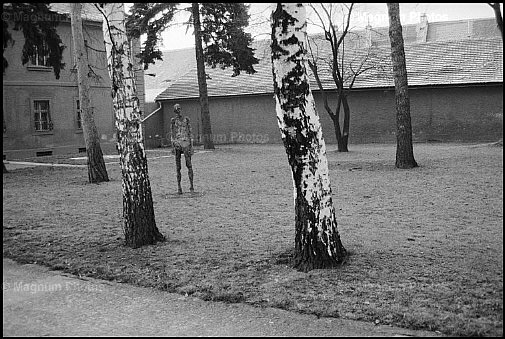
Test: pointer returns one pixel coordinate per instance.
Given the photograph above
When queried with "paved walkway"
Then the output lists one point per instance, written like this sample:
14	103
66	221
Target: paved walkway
12	165
40	302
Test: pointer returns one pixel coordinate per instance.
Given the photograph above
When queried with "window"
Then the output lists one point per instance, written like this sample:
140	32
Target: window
42	117
78	109
4	111
40	56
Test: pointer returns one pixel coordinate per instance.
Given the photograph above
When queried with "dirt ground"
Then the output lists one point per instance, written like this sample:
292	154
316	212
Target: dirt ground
426	245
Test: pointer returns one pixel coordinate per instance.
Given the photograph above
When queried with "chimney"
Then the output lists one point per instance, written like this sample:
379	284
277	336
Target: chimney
422	29
368	35
469	29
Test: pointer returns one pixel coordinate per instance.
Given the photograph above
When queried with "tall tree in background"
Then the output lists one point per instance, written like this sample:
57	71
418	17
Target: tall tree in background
498	16
343	66
221	29
404	147
139	224
317	242
97	172
208	143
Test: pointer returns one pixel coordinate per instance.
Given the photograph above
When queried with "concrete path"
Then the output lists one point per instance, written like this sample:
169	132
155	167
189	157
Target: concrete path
40	302
12	165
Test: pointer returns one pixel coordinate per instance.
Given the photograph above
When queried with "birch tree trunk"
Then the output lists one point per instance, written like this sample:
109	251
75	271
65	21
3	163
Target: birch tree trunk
97	171
404	148
138	213
208	143
317	242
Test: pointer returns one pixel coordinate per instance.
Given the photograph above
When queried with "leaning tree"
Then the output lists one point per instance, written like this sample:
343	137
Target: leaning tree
139	224
317	242
97	172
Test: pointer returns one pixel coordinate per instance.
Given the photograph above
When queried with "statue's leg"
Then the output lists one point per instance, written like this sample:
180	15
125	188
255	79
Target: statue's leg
178	168
189	165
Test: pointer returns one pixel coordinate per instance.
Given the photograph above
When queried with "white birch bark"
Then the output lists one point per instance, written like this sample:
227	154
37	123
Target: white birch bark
138	213
317	243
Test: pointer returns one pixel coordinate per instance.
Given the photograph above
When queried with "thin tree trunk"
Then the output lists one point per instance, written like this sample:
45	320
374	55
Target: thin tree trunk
208	143
336	124
334	116
345	130
138	213
404	147
338	133
97	171
317	242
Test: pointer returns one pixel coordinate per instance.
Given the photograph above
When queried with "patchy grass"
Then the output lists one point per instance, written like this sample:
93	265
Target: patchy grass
426	245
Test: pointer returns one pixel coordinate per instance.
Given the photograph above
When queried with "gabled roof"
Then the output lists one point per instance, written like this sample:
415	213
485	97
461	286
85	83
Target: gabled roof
447	58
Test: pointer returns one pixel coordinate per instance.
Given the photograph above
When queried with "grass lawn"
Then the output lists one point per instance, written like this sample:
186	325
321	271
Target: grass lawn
426	245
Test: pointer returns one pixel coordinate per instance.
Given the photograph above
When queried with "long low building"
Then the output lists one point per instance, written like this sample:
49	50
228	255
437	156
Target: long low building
455	75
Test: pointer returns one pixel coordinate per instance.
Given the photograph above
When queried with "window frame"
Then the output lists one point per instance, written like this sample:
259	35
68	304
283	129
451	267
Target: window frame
3	116
36	66
35	57
78	115
50	123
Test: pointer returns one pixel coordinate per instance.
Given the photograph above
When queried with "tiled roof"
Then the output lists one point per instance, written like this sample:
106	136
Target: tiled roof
165	72
433	63
448	58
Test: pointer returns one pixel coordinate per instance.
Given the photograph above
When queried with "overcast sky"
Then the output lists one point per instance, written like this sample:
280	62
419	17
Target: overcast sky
363	13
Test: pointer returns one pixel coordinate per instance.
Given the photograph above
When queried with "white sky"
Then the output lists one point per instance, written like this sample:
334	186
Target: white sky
176	37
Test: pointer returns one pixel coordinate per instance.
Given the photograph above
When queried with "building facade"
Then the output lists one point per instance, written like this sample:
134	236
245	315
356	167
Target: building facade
41	114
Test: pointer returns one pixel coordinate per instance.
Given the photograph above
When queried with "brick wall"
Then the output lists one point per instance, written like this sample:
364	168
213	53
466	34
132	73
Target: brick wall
153	127
468	114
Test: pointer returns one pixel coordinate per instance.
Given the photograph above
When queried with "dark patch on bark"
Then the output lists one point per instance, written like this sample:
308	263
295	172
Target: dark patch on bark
97	172
300	143
138	212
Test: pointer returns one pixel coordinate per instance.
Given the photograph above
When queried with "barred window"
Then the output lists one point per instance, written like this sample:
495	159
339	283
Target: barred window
40	57
78	117
42	118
